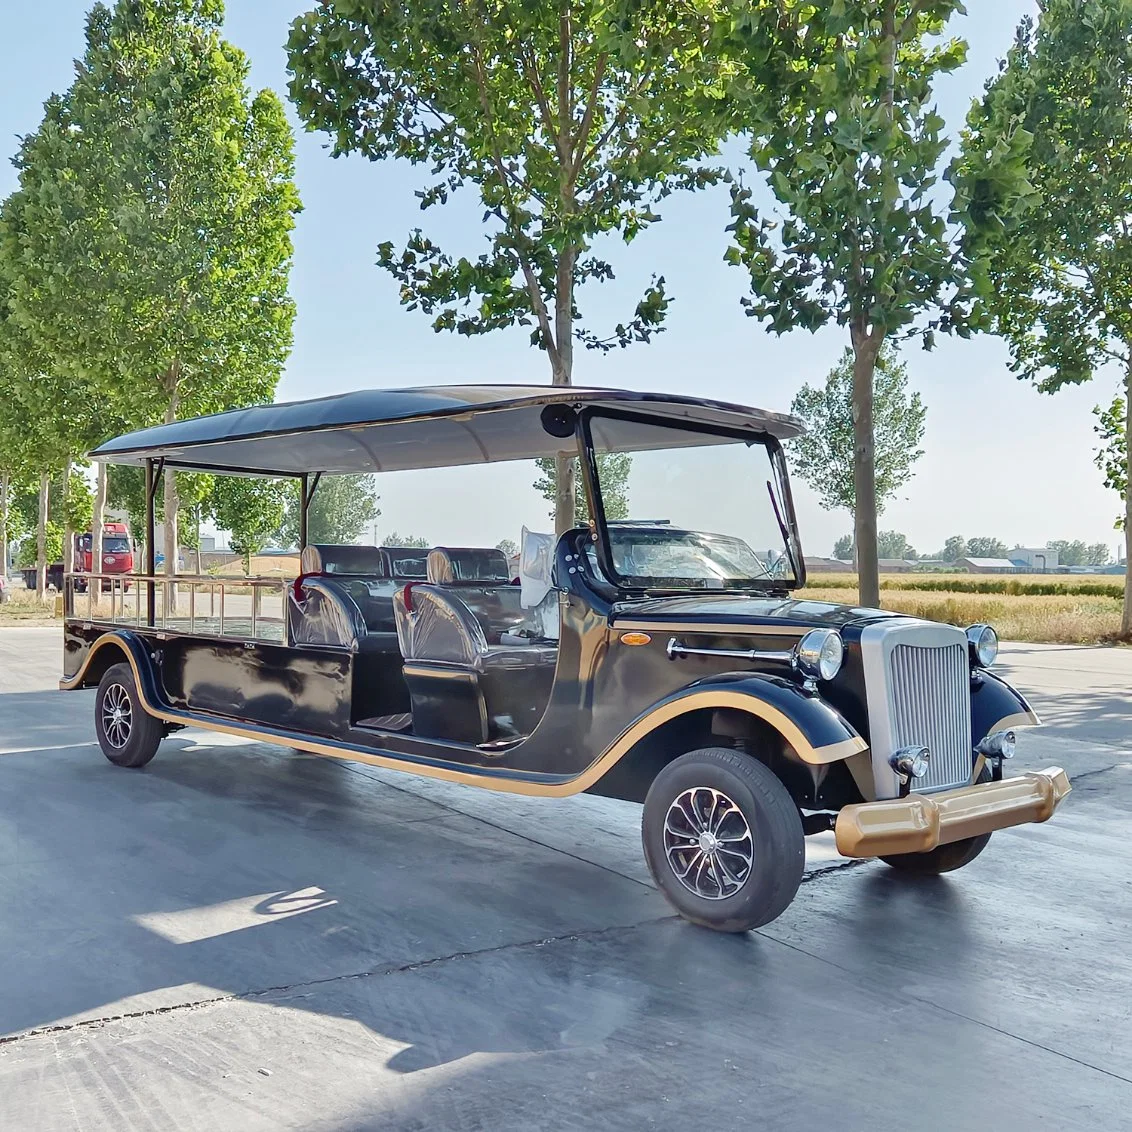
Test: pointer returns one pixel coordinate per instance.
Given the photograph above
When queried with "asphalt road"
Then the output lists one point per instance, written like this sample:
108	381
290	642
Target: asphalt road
242	938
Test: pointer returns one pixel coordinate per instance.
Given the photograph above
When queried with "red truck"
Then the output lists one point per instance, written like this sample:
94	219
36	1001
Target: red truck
117	558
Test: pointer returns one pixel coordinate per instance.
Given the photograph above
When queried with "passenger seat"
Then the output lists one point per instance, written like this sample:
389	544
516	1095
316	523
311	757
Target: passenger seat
466	683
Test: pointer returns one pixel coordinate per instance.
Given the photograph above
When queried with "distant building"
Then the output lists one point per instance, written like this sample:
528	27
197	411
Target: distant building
989	566
828	566
895	566
1035	558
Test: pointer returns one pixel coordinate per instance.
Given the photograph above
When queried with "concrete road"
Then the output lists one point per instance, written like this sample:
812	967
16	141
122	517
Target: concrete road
237	937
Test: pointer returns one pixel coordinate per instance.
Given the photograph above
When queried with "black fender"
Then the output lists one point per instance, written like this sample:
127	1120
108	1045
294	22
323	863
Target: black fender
996	706
816	732
139	657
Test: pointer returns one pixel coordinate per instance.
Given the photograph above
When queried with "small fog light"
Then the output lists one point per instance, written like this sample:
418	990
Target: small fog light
912	762
982	641
999	745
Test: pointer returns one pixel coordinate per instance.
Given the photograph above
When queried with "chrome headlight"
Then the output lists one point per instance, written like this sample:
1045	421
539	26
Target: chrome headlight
819	654
982	641
912	762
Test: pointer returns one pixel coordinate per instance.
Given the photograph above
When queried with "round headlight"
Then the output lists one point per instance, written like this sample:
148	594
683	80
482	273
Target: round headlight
983	642
819	654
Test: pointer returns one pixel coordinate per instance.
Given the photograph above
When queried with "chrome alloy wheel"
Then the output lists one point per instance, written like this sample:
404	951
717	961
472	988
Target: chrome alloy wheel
117	716
708	843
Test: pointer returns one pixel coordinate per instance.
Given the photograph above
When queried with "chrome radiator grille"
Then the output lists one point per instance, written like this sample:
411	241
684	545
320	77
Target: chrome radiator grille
930	700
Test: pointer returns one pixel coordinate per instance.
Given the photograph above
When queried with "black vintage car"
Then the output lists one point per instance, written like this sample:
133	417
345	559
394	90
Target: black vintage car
664	658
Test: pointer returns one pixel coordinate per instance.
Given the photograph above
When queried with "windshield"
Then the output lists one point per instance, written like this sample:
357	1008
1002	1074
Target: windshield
115	544
688	509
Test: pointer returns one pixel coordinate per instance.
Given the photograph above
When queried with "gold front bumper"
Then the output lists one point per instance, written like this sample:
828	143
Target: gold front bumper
920	822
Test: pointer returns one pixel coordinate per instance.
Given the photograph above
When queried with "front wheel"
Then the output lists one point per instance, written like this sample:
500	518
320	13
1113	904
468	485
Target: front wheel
941	859
723	839
127	733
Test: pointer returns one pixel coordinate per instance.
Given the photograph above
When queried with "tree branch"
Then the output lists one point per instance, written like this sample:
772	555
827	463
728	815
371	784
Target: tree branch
579	144
910	19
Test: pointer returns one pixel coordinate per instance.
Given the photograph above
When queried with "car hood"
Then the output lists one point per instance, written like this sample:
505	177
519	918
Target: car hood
741	609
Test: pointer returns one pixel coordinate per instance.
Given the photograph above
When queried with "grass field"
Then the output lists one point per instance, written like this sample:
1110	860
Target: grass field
1061	609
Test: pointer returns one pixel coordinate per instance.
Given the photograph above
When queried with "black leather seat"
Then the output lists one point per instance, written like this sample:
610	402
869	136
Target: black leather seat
467	682
343	596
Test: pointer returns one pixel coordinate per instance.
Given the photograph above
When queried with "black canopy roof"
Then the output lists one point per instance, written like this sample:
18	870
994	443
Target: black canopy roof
394	429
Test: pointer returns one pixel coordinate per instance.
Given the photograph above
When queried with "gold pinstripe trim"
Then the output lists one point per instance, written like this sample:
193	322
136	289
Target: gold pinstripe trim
830	753
690	627
1018	719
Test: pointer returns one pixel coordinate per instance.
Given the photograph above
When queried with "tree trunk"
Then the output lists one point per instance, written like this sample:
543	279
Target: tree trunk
68	530
563	374
4	481
41	536
171	505
96	527
1126	617
866	345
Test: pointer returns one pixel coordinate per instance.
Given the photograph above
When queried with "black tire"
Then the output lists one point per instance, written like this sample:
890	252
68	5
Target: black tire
943	858
127	733
726	899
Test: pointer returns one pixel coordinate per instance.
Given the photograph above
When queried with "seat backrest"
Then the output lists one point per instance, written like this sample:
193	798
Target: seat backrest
325	558
453	566
433	624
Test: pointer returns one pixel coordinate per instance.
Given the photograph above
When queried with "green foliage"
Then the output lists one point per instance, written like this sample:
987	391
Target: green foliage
26	559
1070	553
571	120
251	509
126	492
613	469
1112	456
160	191
343	508
823	456
394	539
892	544
1061	283
985	547
843	548
508	546
954	549
851	145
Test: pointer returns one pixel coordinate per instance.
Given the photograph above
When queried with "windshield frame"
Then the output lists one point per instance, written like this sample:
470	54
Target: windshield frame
600	529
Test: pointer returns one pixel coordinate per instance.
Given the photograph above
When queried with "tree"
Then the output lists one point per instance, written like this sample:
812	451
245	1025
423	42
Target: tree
394	539
1098	554
892	544
1070	553
613	469
342	508
823	455
843	548
842	125
251	509
570	119
159	189
1061	289
508	546
954	549
985	548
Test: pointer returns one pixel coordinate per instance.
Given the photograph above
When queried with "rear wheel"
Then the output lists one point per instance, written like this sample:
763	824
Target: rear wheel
127	733
723	839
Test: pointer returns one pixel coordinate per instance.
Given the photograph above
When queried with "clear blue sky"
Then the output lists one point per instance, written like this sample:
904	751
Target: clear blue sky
1001	459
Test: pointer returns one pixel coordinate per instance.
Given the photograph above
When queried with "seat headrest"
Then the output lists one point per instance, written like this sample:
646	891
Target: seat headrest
327	559
448	565
406	562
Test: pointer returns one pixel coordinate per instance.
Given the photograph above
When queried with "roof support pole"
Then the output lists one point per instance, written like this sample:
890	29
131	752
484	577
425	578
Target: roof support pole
308	485
153	470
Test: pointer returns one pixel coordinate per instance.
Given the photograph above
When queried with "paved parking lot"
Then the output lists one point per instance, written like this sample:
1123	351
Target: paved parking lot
238	937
